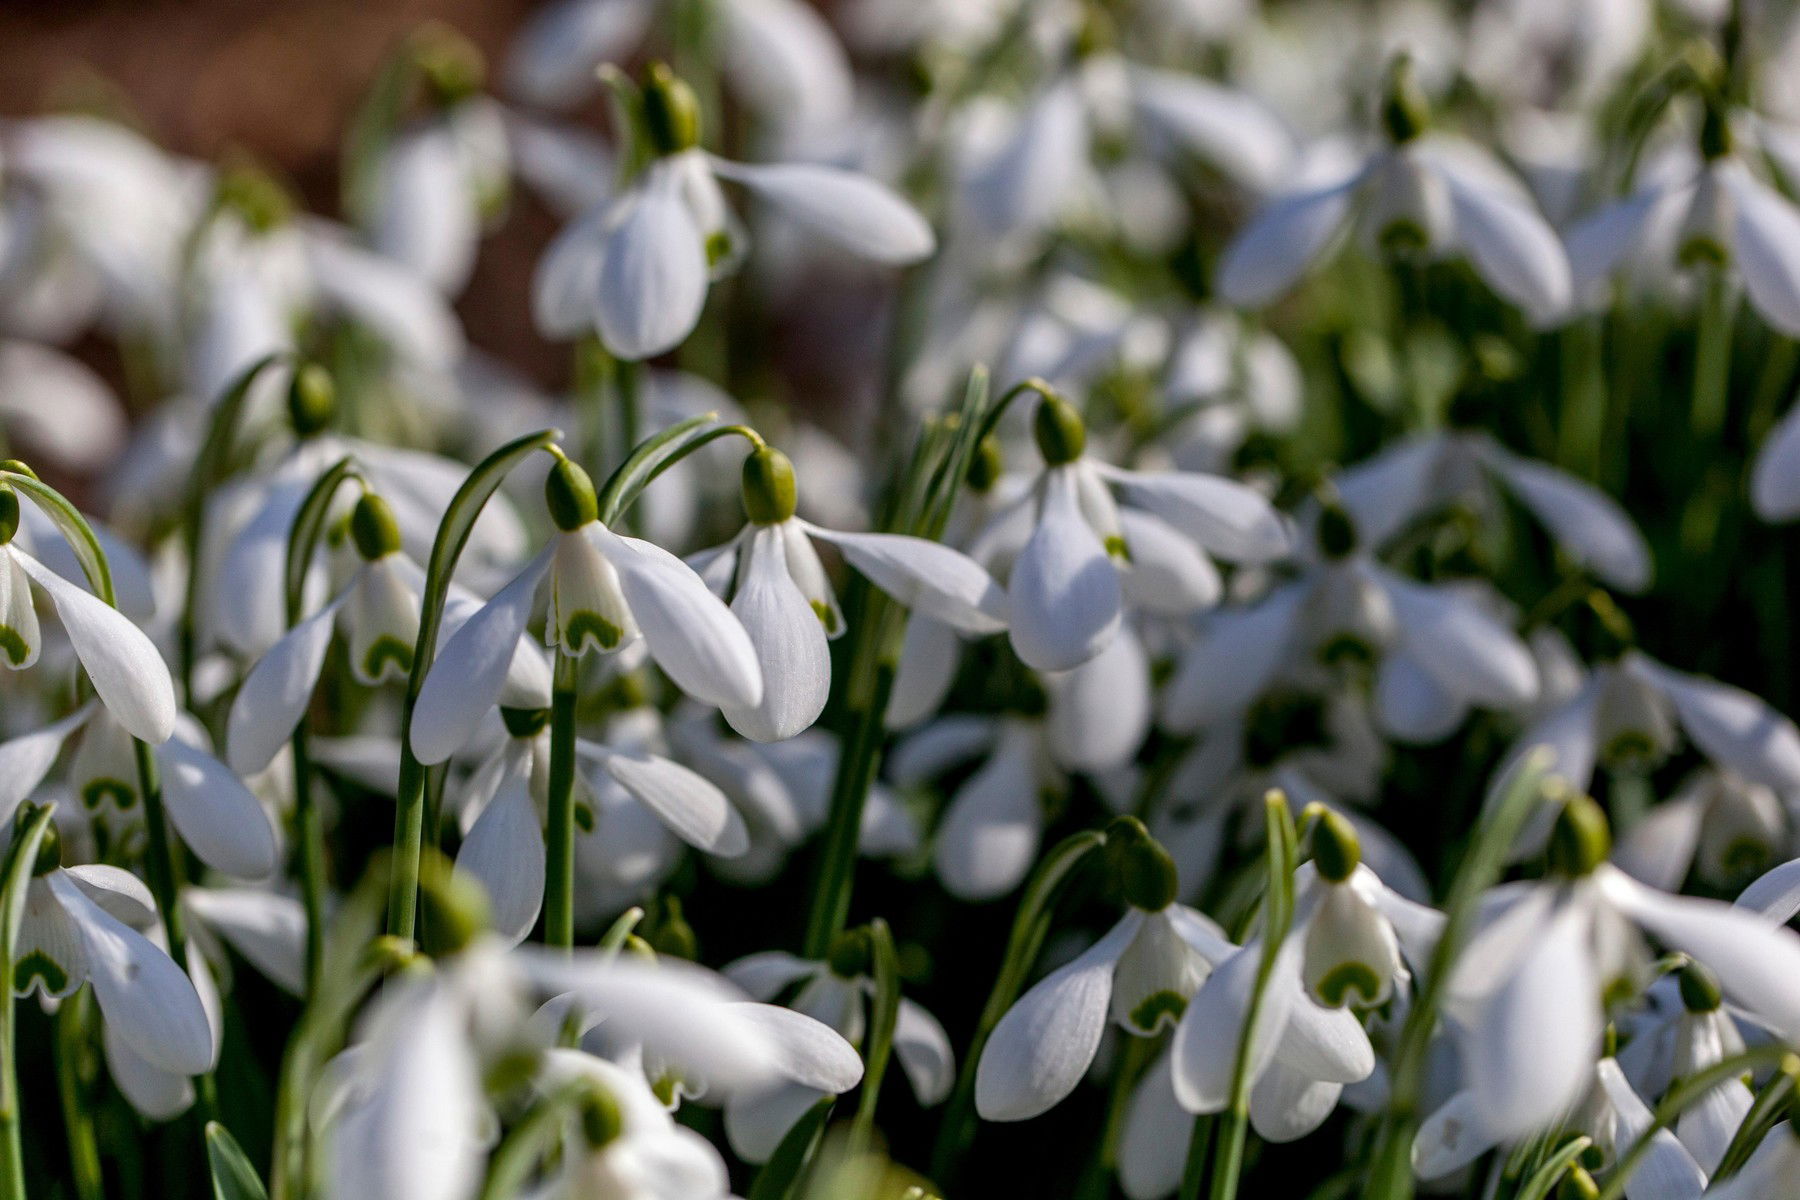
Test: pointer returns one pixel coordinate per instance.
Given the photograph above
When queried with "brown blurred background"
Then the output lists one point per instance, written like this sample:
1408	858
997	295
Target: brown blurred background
278	80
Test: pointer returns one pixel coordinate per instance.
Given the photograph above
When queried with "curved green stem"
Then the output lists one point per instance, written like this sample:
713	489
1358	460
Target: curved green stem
73	1074
303	541
1030	927
452	535
16	874
559	839
879	1043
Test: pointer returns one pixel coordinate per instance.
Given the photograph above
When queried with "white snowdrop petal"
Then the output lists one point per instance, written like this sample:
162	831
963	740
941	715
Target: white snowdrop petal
117	891
552	59
565	284
1766	249
695	810
1044	1044
504	851
1734	728
989	835
757	1120
690	633
20	639
217	816
26	759
926	577
1775	480
1285	238
1286	1105
1585	521
1776	894
1220	125
853	211
790	643
766	972
424	215
1668	1171
467	676
1099	712
156	1094
59	405
1153	1145
1411	704
1233	661
929	655
1385	493
125	666
267	928
923	1049
1232	520
414	319
1597	245
1460	645
275	694
784	59
141	991
1212	1031
810	1052
1169	575
1756	963
1512	246
653	271
1065	591
1659	849
1451	1138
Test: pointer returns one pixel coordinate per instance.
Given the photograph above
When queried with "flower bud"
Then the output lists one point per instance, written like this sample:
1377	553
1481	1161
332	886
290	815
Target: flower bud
1061	433
453	907
1336	532
768	486
1405	112
673	937
1336	849
255	197
9	513
312	399
373	528
524	722
1581	839
671	112
985	465
601	1120
1699	988
639	949
849	956
569	495
450	65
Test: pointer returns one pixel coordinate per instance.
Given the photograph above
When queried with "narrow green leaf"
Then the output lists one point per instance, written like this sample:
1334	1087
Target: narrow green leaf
233	1177
1555	1167
782	1172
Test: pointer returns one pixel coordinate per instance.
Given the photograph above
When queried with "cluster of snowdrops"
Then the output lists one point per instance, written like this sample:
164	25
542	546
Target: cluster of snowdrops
1178	668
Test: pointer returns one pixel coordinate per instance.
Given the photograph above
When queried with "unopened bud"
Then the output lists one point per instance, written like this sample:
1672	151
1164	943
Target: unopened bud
985	465
569	495
769	490
453	905
673	937
450	64
601	1120
671	112
373	528
312	399
1061	433
1581	840
850	955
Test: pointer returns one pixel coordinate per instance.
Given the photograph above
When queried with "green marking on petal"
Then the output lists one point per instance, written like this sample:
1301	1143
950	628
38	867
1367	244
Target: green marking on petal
827	616
1335	988
1345	649
384	650
14	645
1746	856
584	626
1404	237
1117	549
718	247
98	792
665	1087
38	965
1628	749
1152	1009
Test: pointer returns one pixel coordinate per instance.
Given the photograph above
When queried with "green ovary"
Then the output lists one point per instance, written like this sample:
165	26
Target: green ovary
1335	988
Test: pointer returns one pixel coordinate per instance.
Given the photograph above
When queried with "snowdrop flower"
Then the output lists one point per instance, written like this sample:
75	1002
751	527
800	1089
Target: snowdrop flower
127	672
1238	379
58	406
1705	1035
834	994
1067	583
1537	973
503	838
1711	211
1627	712
1773	492
81	926
635	270
605	592
1548	54
439	180
782	595
779	56
1140	973
622	1143
1769	1170
243	561
1426	473
1722	828
1421	194
377	614
267	929
215	814
1437	649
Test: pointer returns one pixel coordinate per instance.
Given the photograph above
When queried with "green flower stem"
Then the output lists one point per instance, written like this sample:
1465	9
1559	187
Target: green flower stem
1681	1097
1712	357
1031	926
536	1134
21	857
1391	1176
781	1174
1134	1055
1546	1177
303	540
209	467
74	1048
1582	416
452	536
1232	1127
559	841
878	1044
